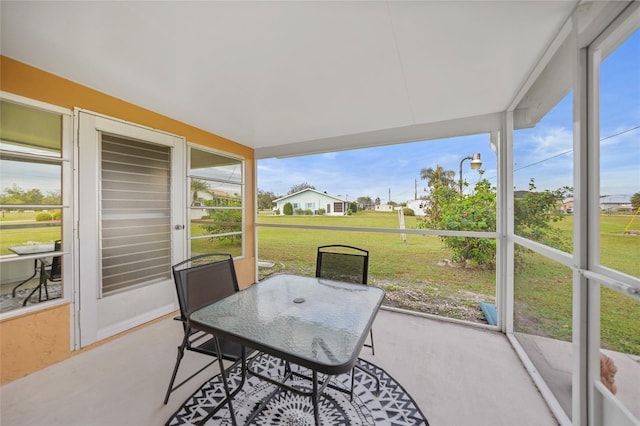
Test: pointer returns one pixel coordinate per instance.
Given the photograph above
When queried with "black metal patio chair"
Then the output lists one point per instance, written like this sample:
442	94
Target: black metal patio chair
344	263
200	281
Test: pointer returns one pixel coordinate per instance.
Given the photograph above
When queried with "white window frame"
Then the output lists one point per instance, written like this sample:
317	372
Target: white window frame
242	183
67	190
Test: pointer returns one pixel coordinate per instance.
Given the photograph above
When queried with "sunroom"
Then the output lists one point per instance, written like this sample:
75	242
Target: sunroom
134	133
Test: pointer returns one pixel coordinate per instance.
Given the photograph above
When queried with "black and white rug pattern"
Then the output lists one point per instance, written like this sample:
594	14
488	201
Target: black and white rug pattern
9	303
394	406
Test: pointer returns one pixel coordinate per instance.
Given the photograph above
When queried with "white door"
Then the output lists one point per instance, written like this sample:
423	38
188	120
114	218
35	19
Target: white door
131	224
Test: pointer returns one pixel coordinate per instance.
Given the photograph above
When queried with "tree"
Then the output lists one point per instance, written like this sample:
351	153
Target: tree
377	202
438	177
287	209
198	186
265	199
353	207
635	200
535	212
299	187
364	200
52	198
16	195
449	210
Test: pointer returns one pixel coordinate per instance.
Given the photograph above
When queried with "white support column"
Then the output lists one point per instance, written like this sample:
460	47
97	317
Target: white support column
506	223
581	394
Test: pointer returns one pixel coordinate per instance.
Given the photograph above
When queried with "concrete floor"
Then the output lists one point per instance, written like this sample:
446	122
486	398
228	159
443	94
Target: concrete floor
458	375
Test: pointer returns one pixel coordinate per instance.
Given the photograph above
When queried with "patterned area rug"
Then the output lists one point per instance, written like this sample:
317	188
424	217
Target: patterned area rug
394	406
8	303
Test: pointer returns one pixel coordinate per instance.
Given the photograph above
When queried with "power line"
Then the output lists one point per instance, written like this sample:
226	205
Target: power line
621	133
542	161
570	150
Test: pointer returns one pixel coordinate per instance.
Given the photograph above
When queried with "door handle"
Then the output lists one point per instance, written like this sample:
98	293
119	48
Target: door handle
178	227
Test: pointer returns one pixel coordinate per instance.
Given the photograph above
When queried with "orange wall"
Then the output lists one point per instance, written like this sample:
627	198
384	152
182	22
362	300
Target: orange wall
33	341
20	333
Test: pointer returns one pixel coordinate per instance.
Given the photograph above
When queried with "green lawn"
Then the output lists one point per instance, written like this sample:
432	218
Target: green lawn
543	290
21	236
411	272
415	277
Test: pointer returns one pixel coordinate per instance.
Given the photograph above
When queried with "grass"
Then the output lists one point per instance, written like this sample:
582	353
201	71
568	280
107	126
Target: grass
18	215
415	276
543	290
411	272
17	237
20	236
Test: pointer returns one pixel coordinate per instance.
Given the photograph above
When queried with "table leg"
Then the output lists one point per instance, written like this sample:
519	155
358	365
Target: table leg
43	280
39	286
315	397
35	271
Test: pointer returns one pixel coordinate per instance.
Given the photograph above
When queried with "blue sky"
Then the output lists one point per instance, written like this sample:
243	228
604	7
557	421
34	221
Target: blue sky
543	152
374	172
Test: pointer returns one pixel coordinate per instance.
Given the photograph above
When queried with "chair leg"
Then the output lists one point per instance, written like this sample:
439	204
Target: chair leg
353	373
181	348
373	350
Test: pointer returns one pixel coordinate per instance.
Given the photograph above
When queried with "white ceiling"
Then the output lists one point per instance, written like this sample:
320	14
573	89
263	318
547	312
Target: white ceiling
295	77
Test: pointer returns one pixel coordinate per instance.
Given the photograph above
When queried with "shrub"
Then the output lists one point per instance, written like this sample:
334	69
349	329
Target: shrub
447	209
299	212
349	212
57	215
287	209
535	213
276	212
224	221
408	212
321	211
43	217
353	207
533	217
308	212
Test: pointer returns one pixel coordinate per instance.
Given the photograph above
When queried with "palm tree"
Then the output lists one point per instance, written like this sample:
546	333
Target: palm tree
197	185
439	177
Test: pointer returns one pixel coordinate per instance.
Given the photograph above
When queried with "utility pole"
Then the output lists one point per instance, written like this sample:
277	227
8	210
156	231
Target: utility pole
415	189
389	194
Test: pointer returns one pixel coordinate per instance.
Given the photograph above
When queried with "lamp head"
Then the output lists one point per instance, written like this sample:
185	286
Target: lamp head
476	162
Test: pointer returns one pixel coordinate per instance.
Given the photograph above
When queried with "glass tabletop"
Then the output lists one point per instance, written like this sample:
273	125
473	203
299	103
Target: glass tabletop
33	248
313	322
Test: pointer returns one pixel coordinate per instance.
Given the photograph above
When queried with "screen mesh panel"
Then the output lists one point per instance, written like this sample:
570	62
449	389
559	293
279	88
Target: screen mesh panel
342	267
135	213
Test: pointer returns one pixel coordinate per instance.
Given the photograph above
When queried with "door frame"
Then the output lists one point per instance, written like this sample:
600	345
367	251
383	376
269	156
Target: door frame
160	298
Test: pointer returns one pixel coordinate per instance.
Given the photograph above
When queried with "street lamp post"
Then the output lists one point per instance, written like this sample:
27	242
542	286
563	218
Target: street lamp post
476	163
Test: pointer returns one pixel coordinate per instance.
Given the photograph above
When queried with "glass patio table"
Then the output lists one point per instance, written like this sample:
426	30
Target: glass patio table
31	249
312	322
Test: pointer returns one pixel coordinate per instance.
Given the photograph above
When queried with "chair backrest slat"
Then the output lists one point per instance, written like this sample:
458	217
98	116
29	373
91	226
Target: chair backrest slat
56	269
343	263
203	280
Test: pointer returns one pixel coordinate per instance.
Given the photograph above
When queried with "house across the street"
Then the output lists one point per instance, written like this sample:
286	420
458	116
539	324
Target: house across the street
616	203
315	201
